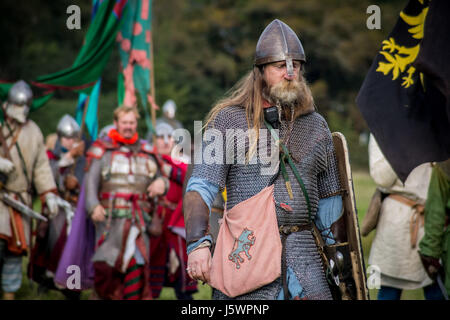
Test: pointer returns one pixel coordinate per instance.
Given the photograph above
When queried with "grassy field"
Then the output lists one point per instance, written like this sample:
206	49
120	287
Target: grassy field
364	188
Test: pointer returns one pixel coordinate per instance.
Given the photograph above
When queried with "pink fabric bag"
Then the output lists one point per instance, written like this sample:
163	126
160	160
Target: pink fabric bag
247	255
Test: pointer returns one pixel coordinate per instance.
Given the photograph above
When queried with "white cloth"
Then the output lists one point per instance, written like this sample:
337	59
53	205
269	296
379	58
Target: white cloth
6	166
416	185
37	165
391	251
51	200
130	247
66	161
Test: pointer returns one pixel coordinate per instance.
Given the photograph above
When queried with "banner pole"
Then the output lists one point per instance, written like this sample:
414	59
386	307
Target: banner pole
152	76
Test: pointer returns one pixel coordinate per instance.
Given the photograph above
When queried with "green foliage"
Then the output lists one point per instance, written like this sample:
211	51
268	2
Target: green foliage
35	39
202	48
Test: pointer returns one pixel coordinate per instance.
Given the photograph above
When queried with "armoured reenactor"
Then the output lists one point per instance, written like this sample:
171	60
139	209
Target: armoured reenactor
169	113
123	177
399	228
164	138
67	162
23	165
306	185
168	256
67	159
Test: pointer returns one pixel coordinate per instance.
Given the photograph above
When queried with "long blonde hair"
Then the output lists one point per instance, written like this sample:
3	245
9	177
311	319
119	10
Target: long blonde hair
246	94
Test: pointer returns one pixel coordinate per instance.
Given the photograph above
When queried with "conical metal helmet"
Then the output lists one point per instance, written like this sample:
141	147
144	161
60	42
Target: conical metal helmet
169	109
68	127
278	42
20	94
165	130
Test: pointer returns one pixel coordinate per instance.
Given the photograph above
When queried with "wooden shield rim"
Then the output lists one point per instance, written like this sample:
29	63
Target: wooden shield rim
350	209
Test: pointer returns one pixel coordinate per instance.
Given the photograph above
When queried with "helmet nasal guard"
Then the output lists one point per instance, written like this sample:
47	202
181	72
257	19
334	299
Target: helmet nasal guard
278	42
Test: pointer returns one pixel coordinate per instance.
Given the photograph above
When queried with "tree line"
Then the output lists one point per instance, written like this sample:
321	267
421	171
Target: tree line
203	47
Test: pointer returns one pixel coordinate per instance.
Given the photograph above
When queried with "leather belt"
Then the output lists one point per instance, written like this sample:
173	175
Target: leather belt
417	218
287	230
136	211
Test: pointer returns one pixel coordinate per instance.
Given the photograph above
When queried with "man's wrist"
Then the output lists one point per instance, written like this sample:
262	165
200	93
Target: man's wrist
91	209
203	242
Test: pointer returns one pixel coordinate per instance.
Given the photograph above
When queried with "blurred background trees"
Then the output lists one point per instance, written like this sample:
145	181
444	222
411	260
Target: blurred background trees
201	48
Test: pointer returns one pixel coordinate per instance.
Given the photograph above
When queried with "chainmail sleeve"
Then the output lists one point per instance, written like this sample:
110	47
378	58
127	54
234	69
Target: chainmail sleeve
328	180
92	180
213	166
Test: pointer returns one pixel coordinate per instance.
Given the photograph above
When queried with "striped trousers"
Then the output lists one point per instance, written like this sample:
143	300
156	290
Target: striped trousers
11	269
134	281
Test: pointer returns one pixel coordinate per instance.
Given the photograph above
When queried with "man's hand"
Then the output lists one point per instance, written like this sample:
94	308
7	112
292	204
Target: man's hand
431	265
99	214
6	166
199	264
51	200
77	149
156	226
157	188
70	182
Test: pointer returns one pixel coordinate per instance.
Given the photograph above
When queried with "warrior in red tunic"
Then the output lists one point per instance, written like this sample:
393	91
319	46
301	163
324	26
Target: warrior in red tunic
168	250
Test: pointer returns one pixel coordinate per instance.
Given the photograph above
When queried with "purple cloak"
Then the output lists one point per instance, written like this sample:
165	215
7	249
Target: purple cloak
79	248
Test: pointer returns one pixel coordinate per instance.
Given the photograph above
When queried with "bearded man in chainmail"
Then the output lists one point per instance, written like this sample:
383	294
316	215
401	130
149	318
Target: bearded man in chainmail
275	85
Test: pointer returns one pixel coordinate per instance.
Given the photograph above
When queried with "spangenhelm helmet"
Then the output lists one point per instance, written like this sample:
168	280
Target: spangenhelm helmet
278	42
68	127
20	94
19	101
165	130
169	109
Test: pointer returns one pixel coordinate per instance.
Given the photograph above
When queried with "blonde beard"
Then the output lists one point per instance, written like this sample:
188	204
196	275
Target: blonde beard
290	95
285	93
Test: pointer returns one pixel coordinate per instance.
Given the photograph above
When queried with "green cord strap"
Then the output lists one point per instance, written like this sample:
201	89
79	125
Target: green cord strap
286	177
300	181
285	154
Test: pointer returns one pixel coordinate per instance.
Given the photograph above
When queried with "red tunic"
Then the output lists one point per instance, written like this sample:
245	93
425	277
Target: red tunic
173	236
